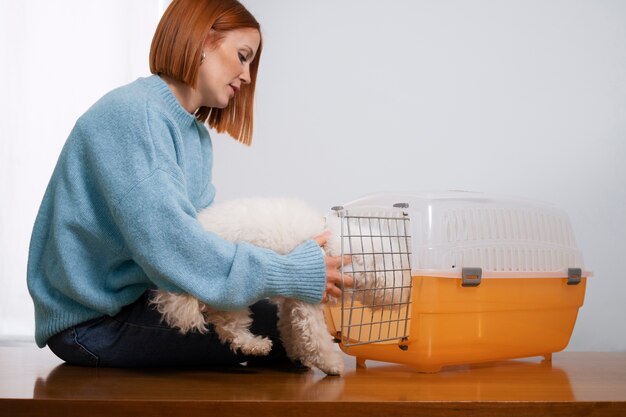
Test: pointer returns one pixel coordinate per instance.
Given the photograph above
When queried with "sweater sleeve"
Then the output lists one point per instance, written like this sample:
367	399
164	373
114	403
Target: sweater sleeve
135	159
160	228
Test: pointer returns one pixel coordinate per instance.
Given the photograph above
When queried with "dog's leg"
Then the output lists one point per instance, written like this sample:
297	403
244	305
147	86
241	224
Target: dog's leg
306	337
233	328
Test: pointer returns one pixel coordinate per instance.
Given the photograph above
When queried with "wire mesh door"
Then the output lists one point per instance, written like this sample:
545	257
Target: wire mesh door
377	309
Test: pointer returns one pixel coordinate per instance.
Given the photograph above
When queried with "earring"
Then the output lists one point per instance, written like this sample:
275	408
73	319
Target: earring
203	57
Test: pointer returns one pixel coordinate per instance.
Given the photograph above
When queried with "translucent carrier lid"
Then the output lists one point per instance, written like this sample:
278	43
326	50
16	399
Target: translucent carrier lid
504	237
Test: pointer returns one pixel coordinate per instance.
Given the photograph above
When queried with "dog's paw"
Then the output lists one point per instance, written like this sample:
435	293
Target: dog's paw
333	368
257	346
331	364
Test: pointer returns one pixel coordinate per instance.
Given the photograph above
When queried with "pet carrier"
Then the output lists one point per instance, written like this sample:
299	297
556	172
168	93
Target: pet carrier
456	278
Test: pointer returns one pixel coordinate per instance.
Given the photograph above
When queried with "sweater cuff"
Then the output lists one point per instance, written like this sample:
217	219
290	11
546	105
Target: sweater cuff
301	274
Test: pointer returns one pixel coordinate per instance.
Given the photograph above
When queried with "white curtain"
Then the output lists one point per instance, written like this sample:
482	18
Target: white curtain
56	59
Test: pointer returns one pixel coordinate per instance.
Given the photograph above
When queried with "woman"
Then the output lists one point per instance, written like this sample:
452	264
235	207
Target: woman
119	215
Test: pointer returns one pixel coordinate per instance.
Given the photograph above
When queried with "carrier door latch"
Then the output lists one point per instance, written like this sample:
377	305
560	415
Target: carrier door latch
471	277
574	276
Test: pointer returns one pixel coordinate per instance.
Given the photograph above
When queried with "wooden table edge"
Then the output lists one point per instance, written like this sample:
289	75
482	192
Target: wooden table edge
233	408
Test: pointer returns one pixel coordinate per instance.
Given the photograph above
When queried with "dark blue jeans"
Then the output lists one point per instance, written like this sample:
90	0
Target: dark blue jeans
136	337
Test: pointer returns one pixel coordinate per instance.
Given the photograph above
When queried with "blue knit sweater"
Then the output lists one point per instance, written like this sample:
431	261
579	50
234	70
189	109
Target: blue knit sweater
119	215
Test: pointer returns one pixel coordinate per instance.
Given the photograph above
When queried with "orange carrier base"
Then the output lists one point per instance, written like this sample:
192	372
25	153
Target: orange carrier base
502	318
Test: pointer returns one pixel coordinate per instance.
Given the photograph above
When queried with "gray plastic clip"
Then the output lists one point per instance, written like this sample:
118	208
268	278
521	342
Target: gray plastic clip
401	205
471	277
574	276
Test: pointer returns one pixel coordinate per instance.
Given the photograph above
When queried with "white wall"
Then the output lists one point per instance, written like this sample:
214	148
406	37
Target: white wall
525	98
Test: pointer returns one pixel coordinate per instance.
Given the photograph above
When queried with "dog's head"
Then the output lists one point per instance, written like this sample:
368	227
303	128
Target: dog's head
380	262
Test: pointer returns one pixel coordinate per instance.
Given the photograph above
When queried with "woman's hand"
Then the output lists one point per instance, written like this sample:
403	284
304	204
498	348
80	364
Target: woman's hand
333	271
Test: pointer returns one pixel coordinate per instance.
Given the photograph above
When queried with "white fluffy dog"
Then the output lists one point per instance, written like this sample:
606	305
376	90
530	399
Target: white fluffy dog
281	225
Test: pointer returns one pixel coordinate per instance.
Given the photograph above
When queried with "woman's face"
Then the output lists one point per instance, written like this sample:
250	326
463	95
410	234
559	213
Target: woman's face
226	66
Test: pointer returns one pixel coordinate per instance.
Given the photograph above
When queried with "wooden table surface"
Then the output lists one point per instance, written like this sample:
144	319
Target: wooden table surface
35	382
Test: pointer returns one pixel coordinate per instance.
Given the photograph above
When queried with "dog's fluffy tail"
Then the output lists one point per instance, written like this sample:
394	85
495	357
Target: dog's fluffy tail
182	311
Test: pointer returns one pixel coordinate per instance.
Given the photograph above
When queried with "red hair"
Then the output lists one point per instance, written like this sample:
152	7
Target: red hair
177	48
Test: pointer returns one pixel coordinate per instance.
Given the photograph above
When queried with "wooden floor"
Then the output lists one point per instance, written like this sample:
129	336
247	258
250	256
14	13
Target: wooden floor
34	382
